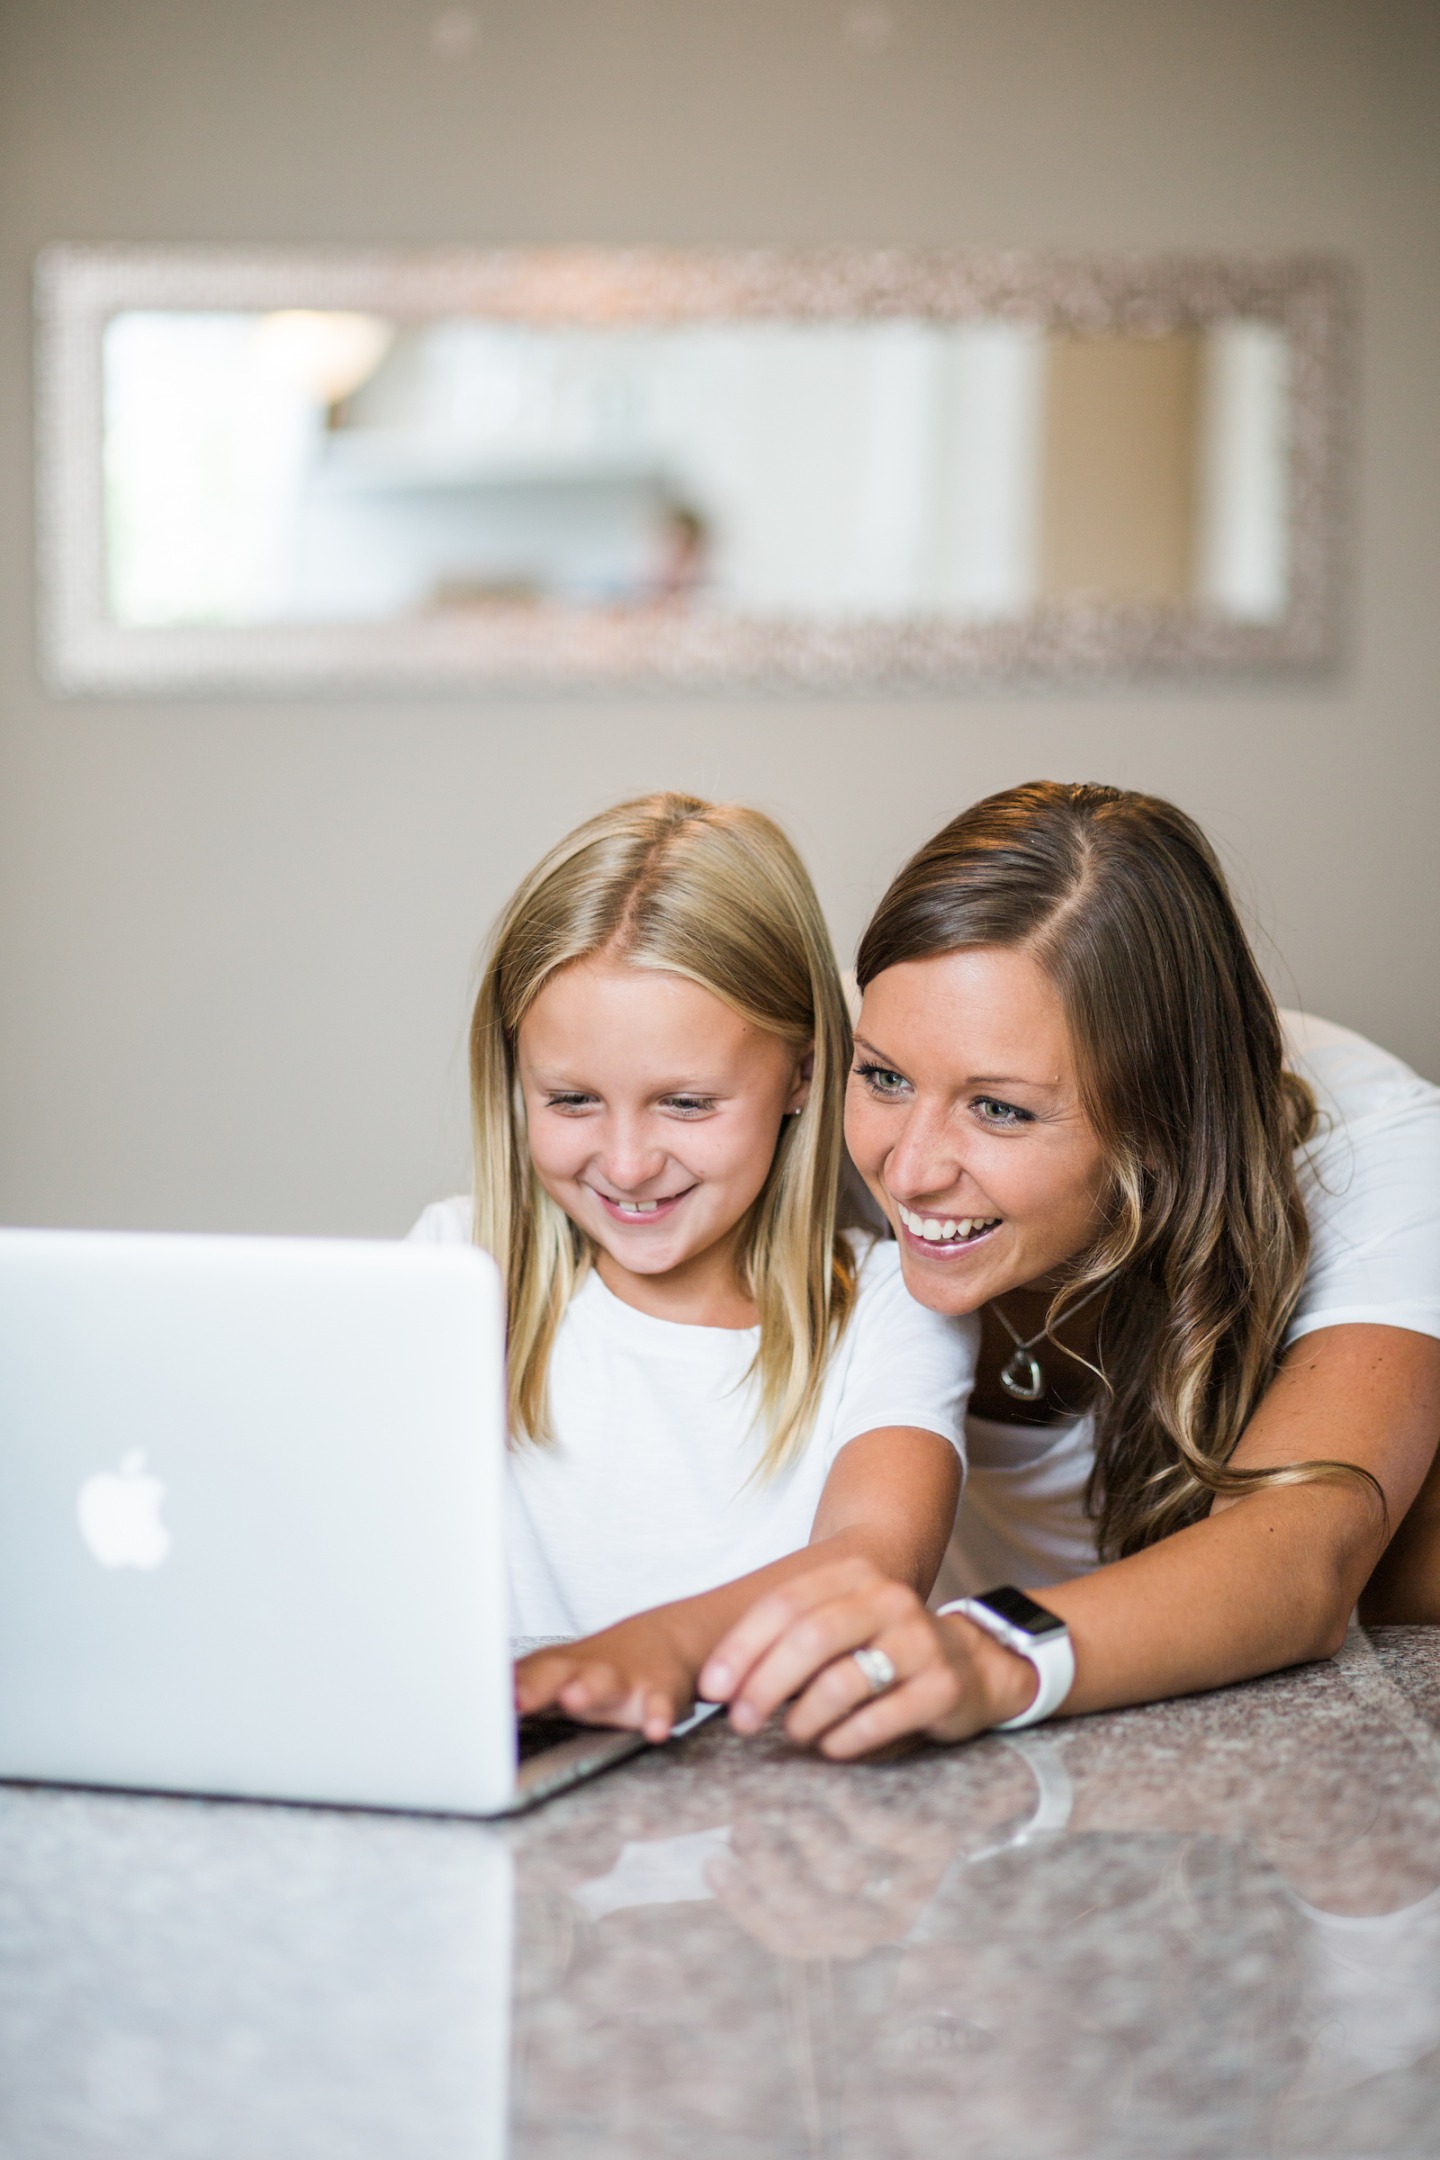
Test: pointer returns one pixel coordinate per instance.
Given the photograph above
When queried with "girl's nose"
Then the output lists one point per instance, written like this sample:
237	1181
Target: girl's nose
632	1156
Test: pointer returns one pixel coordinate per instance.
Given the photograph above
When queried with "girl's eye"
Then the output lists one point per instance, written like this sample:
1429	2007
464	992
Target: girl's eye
690	1105
994	1112
569	1102
880	1079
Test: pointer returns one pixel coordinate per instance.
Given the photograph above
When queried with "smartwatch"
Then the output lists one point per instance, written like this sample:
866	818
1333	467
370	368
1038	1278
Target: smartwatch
1031	1632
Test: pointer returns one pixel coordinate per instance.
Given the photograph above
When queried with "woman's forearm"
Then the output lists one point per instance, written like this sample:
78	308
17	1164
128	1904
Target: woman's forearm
1266	1581
1272	1579
1270	1582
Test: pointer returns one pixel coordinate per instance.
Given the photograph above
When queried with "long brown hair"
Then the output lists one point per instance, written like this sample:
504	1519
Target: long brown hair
1120	898
714	892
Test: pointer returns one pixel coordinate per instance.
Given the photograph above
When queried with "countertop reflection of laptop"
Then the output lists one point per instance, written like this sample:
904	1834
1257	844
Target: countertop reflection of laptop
251	1525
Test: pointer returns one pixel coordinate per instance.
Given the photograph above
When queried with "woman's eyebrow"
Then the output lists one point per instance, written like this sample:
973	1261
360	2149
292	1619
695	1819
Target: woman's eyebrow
1008	1080
971	1079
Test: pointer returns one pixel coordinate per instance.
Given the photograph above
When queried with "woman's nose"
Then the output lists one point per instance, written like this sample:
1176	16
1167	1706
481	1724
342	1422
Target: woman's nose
924	1159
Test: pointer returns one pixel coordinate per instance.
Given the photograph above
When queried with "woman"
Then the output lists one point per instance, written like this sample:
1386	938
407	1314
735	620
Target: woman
1209	1383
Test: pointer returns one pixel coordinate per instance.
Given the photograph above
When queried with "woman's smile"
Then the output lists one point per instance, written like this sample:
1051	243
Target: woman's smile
943	1237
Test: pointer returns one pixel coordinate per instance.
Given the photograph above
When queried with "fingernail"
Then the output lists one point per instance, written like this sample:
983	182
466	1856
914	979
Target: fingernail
744	1718
715	1679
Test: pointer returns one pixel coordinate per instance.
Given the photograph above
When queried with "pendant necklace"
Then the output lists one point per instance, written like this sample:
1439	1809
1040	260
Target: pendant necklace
1022	1375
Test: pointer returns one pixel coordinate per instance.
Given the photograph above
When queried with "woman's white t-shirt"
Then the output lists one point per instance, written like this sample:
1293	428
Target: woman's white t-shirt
1371	1182
648	1491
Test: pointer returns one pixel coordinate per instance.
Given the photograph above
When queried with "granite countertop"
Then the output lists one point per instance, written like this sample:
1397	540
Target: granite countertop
1204	1928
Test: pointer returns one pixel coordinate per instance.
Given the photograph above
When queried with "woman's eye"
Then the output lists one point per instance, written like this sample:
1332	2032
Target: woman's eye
880	1079
993	1112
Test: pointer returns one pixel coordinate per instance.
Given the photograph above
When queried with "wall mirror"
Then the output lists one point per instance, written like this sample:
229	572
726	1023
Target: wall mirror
833	469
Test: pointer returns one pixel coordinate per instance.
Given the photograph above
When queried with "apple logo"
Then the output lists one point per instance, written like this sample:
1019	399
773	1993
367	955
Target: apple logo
119	1513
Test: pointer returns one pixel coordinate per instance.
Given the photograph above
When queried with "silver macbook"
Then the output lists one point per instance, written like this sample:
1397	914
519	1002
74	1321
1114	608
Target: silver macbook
251	1520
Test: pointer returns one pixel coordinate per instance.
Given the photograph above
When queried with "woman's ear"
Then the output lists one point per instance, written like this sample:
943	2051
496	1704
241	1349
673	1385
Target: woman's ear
800	1089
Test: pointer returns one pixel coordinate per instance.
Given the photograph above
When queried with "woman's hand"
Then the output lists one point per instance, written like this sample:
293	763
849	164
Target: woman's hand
833	1876
953	1680
635	1675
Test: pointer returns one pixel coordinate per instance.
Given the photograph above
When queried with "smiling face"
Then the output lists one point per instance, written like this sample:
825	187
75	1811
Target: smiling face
964	1117
653	1112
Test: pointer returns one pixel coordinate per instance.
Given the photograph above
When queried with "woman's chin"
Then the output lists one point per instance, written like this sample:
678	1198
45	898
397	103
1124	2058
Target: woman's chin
956	1281
931	1284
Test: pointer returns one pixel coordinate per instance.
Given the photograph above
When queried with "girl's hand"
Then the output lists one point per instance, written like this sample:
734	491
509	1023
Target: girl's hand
953	1680
634	1675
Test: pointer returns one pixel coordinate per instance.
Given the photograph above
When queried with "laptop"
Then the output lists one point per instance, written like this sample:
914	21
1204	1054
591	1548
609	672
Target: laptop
251	1525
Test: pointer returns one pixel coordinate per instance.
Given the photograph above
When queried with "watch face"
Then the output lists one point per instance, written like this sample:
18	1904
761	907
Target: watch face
1022	1612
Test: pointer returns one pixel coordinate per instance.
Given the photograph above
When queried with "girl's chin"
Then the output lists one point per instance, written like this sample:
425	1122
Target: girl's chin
645	1263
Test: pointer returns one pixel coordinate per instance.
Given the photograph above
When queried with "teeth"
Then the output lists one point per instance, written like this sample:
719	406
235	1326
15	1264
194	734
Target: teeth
938	1230
637	1207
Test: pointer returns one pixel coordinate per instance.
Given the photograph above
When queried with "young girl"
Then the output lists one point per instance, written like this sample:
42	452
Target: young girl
711	1384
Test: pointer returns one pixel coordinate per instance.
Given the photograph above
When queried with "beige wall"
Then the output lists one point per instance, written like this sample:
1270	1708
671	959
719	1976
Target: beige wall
235	937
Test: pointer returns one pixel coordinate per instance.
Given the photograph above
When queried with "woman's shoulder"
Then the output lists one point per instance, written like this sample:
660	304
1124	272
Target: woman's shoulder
1371	1183
444	1222
1352	1077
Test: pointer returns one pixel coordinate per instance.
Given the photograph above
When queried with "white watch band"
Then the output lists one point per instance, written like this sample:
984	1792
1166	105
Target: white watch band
1053	1657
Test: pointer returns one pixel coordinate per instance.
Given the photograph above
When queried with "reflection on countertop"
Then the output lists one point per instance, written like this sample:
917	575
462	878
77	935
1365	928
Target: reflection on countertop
1201	1928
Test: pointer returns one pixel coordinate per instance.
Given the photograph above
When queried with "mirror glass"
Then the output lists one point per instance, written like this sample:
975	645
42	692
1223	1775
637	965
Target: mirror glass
330	466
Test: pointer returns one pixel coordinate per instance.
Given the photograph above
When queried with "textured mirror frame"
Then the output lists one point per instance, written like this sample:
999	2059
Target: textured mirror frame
85	652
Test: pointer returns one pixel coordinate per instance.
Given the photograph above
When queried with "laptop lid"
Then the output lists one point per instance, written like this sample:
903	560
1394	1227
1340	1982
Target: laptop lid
251	1519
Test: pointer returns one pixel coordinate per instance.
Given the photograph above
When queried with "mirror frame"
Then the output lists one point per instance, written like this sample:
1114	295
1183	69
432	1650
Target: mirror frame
84	652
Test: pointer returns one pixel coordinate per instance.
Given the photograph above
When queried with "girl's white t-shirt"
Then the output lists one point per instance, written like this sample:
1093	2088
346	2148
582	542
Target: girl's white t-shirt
648	1491
1371	1182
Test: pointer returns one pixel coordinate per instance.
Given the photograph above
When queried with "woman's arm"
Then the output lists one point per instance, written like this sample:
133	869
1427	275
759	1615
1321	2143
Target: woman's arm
1404	1590
1266	1581
887	1504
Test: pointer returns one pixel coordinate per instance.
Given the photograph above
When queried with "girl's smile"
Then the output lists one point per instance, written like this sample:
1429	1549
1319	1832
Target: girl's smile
641	1214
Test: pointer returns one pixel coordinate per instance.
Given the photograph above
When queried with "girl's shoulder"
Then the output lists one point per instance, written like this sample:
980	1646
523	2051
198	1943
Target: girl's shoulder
876	1255
444	1222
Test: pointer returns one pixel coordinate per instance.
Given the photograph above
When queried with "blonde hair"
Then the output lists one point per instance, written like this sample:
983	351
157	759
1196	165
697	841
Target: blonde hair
716	893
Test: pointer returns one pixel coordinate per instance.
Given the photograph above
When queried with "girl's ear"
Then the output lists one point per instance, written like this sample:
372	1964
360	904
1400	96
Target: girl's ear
800	1091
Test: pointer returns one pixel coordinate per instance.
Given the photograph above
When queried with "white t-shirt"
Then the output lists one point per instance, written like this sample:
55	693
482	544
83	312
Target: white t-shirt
1371	1181
647	1491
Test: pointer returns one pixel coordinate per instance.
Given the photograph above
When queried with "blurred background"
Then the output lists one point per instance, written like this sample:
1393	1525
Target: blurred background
238	935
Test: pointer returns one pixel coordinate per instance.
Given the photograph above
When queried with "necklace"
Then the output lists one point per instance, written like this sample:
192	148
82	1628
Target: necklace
1022	1375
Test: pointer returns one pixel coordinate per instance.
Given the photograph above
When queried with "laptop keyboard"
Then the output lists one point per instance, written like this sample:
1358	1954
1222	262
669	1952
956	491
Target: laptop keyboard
538	1733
